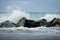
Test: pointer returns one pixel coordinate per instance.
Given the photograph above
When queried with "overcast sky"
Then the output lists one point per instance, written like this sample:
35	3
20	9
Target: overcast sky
30	5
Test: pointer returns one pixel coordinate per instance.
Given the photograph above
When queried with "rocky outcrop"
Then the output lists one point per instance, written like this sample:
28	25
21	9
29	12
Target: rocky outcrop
31	23
43	22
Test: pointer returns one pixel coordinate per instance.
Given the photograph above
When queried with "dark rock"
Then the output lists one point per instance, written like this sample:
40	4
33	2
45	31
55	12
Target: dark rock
31	23
54	22
43	22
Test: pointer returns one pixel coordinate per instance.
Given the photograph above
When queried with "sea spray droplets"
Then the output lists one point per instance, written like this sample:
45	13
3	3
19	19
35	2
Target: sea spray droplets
17	15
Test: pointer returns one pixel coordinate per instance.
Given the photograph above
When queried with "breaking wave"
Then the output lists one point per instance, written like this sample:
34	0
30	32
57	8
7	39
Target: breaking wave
16	15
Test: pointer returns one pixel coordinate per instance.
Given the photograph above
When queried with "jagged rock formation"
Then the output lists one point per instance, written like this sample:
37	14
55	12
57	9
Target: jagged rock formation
31	23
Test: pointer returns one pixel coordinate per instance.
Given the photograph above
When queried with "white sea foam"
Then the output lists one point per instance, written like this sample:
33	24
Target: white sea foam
17	15
32	30
49	17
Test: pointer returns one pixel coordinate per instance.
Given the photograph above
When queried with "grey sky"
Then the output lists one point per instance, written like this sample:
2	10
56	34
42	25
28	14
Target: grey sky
30	5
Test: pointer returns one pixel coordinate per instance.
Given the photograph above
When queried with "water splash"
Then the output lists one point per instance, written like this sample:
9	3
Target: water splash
49	17
3	17
17	15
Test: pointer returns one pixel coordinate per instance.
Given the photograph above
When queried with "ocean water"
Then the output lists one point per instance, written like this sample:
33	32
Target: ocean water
23	33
